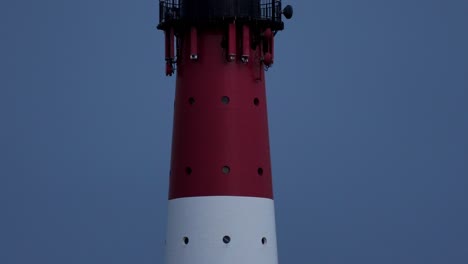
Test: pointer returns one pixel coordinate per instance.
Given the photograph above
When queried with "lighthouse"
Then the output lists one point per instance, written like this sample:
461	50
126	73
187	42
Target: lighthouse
220	207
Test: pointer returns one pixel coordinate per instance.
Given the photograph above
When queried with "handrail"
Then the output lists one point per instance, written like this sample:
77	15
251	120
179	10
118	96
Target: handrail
270	10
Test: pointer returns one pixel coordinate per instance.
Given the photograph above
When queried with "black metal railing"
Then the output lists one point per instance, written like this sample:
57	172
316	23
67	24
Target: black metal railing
169	10
270	10
174	10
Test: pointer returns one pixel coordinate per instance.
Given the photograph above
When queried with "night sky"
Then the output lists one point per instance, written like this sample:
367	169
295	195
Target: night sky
368	116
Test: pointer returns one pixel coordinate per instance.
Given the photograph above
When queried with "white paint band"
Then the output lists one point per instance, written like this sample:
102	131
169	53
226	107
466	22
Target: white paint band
221	230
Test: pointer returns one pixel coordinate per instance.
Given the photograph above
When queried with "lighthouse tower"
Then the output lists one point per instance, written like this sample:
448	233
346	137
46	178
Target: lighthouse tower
221	206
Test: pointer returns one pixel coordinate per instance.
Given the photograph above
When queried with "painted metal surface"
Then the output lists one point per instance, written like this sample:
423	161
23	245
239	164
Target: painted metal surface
220	121
221	206
221	229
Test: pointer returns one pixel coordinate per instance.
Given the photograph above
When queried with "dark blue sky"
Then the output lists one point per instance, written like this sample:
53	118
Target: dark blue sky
368	111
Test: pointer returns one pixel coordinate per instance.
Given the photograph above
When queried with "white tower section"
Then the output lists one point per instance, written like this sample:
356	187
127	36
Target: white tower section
221	230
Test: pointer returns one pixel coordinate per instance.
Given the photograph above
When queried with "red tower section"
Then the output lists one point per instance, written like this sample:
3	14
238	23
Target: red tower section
220	140
220	161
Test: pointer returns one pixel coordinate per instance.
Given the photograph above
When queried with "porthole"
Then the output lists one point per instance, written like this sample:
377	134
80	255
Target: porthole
256	101
191	100
260	171
188	170
225	100
226	169
226	239
264	240
185	240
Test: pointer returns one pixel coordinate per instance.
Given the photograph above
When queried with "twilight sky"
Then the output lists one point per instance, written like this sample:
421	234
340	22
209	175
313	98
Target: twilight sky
368	112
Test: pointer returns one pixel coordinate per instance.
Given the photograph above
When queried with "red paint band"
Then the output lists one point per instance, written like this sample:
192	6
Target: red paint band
220	137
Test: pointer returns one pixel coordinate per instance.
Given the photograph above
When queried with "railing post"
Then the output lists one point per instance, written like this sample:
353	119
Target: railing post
273	9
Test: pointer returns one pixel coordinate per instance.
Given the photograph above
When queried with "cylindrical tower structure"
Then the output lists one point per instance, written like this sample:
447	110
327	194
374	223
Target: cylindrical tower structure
220	196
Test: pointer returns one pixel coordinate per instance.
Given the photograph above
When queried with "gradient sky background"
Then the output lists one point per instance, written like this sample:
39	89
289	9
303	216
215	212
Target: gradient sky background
368	112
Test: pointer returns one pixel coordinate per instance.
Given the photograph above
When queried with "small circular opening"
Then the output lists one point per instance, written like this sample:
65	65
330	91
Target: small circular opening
191	100
225	100
260	171
264	240
226	239
256	101
185	240
226	169
188	170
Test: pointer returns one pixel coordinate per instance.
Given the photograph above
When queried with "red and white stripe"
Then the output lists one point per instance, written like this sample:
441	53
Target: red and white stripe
221	206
